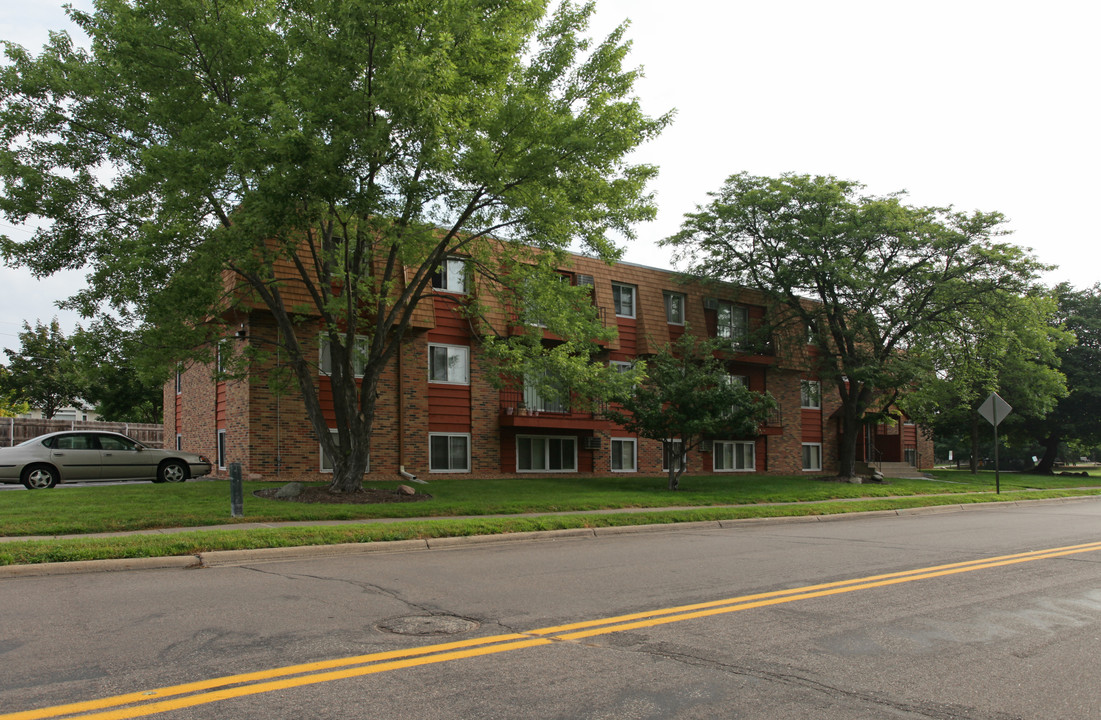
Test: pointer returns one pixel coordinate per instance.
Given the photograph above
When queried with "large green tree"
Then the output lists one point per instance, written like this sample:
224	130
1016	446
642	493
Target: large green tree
1012	348
43	371
119	387
1077	417
9	405
687	394
334	150
866	274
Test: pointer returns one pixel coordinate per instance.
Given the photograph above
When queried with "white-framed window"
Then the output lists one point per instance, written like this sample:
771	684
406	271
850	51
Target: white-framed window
624	455
621	366
359	361
449	364
734	456
623	296
673	456
732	322
221	449
674	307
449	452
812	457
810	394
327	462
179	381
550	453
179	441
450	276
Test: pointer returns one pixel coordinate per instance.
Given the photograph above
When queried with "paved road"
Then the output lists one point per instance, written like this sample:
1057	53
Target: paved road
954	615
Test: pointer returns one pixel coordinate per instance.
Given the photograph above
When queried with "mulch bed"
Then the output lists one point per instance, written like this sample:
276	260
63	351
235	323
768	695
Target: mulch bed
365	496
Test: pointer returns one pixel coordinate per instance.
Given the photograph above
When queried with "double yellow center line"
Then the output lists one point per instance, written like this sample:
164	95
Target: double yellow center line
151	702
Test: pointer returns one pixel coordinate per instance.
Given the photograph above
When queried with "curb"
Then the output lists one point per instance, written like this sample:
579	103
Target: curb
229	558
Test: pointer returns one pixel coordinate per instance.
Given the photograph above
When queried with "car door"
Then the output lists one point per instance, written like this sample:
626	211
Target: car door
76	456
124	459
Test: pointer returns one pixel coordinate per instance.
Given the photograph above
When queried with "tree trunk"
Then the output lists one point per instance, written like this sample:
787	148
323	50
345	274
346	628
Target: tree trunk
353	448
674	477
973	462
1051	452
348	469
851	427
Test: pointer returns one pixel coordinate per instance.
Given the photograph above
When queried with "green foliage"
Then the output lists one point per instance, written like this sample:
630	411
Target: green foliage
1077	417
869	274
116	383
317	159
688	395
43	373
1012	348
9	405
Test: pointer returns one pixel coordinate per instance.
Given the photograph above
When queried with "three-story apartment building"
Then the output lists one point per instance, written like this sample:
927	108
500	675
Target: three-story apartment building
439	412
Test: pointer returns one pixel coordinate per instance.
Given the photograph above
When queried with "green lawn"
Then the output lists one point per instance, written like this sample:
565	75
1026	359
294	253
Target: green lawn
140	506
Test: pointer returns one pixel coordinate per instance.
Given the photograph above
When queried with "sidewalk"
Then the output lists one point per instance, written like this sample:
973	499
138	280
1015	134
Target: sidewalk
238	557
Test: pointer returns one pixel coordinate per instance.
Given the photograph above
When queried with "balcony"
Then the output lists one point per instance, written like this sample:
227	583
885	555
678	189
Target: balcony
774	424
525	409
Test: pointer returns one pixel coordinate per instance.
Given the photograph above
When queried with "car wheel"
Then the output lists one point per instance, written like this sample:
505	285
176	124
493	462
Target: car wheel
172	471
39	477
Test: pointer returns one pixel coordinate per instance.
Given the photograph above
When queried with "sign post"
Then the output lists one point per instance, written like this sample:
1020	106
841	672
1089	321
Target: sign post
994	409
236	491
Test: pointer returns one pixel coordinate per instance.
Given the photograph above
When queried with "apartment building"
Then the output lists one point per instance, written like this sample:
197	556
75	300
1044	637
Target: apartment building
438	412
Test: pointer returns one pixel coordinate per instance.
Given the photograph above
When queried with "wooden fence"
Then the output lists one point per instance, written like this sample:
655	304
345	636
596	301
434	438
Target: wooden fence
15	430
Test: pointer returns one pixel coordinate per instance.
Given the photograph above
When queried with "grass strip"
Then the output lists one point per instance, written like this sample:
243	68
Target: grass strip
144	506
199	541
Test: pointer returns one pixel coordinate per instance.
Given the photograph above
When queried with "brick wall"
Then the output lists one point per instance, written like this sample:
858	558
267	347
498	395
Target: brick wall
268	431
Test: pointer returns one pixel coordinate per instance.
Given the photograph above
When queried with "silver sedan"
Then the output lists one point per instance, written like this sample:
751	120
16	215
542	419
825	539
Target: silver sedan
83	455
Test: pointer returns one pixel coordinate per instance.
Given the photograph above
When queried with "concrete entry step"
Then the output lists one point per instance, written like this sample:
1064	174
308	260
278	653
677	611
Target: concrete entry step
891	469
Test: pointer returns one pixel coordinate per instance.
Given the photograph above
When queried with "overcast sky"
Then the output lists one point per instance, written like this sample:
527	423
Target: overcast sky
988	105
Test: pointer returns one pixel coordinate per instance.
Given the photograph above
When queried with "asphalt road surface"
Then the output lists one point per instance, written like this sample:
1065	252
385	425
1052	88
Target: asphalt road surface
990	613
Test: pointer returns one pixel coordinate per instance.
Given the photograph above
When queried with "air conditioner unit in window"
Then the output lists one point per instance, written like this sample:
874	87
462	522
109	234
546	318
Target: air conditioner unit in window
710	304
705	446
586	280
590	443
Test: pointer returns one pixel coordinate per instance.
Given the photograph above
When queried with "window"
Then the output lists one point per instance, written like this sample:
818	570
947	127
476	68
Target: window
327	462
623	454
449	364
810	394
621	366
674	308
221	449
179	381
221	353
534	399
673	456
734	456
812	456
450	276
732	322
624	298
546	454
73	442
359	361
117	442
179	441
448	453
